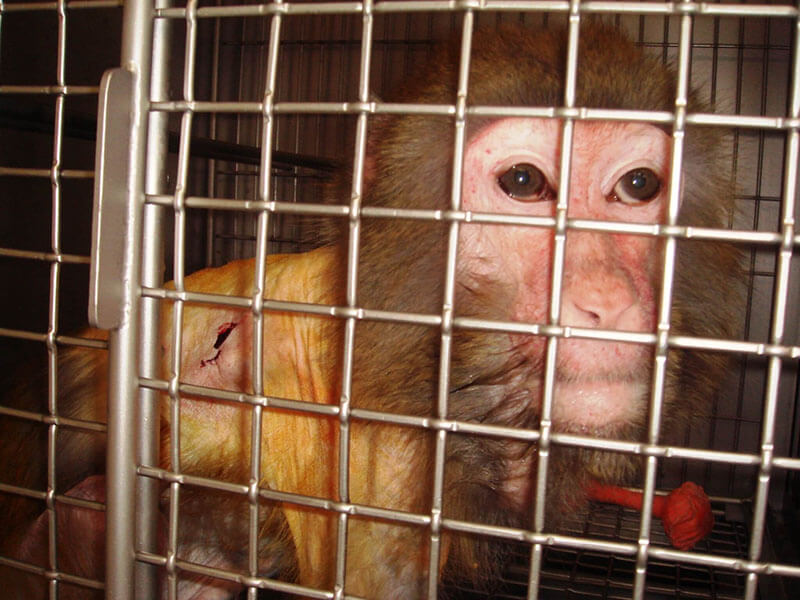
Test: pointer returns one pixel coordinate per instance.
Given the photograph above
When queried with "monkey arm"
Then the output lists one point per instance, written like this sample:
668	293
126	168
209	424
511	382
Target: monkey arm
300	362
685	513
386	466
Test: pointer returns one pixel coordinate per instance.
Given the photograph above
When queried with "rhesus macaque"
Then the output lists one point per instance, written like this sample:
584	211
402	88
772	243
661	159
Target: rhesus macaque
619	171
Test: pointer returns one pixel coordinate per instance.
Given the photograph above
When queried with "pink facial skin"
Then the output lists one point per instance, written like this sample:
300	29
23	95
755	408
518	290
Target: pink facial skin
609	280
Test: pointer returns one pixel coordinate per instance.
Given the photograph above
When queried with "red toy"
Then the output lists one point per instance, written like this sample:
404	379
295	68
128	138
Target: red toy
685	512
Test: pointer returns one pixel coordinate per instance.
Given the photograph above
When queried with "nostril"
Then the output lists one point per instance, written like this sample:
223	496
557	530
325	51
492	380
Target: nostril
592	316
579	314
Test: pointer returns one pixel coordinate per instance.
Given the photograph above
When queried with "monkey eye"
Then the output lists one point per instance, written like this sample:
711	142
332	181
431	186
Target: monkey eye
636	187
524	182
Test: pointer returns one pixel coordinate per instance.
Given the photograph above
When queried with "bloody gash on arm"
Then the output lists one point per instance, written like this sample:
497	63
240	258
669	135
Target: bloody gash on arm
611	281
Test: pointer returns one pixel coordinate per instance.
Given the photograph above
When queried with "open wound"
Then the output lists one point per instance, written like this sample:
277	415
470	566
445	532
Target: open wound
223	331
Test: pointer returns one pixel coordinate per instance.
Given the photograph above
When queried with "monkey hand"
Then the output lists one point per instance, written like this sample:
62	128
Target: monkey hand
685	513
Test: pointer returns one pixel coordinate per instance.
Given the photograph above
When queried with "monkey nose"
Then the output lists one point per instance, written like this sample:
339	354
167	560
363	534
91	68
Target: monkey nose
598	311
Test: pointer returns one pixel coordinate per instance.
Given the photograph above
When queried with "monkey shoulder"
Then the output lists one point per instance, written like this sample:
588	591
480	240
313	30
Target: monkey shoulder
217	340
302	277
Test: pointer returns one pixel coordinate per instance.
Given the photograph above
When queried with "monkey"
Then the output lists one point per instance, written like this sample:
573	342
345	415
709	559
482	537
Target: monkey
495	375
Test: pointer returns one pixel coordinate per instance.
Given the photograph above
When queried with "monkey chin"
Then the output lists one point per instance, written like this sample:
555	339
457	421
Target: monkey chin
600	408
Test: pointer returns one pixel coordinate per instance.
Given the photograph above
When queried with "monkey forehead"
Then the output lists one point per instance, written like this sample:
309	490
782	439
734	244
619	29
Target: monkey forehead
500	141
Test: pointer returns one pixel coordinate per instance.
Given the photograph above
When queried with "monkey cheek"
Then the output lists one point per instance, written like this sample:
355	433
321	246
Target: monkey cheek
598	407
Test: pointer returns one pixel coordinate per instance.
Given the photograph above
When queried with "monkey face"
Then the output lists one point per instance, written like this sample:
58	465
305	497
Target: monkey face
618	173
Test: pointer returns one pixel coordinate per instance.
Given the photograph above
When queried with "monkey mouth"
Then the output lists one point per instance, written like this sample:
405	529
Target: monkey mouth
598	406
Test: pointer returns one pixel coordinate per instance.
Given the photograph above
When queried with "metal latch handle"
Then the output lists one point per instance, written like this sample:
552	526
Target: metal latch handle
111	197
